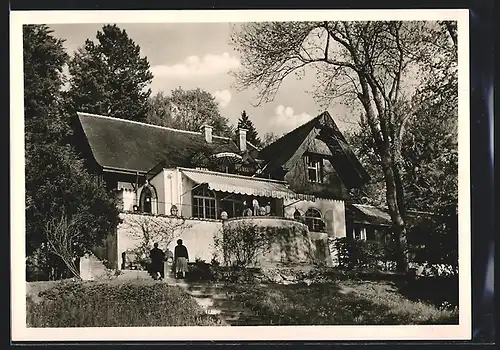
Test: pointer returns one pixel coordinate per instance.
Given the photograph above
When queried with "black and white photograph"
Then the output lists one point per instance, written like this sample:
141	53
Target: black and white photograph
219	177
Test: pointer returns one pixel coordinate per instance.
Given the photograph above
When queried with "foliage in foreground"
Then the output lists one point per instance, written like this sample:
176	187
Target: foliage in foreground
115	305
342	302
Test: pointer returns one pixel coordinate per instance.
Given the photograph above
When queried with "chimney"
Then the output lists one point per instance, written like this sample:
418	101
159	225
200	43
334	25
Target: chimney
208	133
242	139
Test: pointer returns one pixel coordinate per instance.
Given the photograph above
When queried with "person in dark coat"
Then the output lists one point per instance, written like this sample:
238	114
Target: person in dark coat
181	258
157	260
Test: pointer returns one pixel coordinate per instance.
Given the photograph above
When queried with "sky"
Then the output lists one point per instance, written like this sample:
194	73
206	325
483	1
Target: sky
192	55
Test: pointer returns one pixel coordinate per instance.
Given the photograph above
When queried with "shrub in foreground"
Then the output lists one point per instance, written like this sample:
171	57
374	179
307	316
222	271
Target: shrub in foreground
115	305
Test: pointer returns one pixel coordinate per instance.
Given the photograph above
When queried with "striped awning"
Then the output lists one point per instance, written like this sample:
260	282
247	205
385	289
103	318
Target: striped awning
243	185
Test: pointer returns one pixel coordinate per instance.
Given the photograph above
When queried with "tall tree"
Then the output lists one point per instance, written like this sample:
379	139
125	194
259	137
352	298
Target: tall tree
57	185
110	77
44	58
363	62
188	110
252	135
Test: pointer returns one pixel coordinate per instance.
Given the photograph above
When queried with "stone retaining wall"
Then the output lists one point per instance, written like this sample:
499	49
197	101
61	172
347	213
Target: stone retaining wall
291	241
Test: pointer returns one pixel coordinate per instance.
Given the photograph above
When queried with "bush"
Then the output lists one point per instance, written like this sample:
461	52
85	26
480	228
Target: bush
364	254
200	270
44	266
115	305
435	240
241	245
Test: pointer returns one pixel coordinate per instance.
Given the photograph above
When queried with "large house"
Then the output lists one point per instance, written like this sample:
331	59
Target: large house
207	180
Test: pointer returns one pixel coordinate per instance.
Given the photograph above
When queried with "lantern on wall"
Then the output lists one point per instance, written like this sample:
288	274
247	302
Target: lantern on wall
173	210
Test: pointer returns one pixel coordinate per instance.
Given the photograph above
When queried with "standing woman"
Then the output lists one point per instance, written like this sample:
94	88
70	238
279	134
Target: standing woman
181	258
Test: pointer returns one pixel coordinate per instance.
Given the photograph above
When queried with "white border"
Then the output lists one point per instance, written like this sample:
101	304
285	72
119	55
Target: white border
18	286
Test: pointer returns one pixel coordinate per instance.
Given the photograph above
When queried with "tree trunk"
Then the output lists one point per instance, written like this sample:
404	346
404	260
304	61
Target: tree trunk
398	223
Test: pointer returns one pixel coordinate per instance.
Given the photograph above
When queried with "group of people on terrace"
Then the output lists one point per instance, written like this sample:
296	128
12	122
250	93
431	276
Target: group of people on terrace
180	261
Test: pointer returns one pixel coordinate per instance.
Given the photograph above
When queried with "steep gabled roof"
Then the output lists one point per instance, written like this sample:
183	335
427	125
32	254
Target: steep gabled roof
346	164
124	144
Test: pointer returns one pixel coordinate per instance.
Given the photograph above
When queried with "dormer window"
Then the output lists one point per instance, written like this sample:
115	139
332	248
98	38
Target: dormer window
314	165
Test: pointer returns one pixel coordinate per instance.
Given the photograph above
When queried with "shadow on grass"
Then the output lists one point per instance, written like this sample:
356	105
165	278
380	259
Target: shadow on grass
434	290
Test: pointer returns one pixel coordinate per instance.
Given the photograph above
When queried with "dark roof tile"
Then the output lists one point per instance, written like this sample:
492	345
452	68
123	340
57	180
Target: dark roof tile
125	144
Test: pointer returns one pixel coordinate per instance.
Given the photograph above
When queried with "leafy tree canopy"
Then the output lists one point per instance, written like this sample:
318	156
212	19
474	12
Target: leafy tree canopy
188	110
269	137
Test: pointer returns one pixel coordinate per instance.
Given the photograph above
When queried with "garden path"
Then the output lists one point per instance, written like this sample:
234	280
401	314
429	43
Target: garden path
214	299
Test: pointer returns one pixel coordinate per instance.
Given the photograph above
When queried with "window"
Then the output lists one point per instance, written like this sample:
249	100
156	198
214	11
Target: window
371	234
314	168
360	233
232	206
314	220
204	203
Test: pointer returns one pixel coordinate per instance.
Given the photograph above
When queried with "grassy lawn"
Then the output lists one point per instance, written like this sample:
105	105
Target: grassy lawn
342	302
112	304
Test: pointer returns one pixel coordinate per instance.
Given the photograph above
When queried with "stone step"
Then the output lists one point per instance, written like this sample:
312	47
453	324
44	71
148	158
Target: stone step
211	311
134	275
215	301
200	296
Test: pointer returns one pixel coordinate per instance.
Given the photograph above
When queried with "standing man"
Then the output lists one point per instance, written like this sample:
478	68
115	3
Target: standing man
181	258
157	260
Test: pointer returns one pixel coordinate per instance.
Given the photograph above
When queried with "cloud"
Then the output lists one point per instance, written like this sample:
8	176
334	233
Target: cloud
196	67
286	120
223	97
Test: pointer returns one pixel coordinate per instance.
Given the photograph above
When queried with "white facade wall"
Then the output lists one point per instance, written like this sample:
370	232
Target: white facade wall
185	197
128	199
158	204
198	235
332	212
171	191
